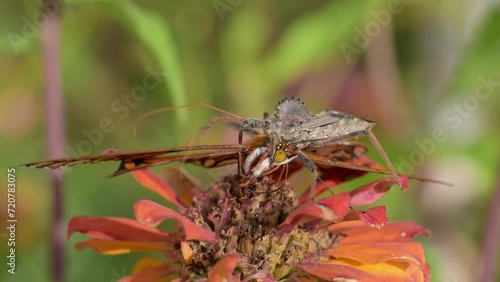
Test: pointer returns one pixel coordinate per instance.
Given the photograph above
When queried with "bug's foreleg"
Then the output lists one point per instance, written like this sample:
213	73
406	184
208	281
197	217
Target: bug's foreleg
312	167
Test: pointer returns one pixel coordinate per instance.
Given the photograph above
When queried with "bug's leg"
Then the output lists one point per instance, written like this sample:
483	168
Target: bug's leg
318	247
312	167
284	171
248	124
385	157
240	160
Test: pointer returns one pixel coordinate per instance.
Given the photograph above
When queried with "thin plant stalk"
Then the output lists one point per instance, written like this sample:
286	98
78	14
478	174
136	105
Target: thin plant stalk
55	129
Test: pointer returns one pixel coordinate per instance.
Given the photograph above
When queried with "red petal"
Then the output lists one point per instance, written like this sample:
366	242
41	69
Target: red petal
392	232
223	269
332	208
370	193
375	216
154	183
115	228
152	214
332	271
404	182
115	247
152	274
182	183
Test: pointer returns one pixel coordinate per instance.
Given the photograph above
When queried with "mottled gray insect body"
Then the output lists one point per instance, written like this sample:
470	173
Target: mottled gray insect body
293	128
293	124
292	121
330	127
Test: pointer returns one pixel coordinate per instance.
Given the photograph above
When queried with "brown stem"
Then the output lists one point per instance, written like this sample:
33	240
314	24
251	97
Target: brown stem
55	127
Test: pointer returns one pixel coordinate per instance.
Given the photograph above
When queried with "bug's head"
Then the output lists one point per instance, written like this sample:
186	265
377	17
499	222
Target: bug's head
284	152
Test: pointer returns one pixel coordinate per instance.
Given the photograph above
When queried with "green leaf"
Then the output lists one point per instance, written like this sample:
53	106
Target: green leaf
316	37
155	34
481	57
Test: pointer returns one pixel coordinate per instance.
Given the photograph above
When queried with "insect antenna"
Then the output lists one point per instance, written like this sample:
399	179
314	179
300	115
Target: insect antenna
207	126
166	109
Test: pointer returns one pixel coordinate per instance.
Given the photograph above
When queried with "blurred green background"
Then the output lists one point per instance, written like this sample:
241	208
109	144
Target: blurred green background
427	71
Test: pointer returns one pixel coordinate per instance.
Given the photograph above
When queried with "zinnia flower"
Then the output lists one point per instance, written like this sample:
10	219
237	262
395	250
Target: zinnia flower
262	232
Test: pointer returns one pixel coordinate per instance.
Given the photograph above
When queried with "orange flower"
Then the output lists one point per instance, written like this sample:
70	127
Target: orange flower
229	233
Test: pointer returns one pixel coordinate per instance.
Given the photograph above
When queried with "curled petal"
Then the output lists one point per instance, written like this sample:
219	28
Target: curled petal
152	214
331	208
392	232
371	192
223	269
154	183
115	228
114	247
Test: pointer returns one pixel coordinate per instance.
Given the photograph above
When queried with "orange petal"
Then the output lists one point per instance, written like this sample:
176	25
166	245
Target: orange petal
154	183
149	274
392	271
387	261
333	271
223	269
187	252
115	228
146	263
392	232
152	214
331	208
372	192
346	224
373	253
114	247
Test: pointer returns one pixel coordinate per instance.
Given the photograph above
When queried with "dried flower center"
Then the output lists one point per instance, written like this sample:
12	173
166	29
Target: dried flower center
246	221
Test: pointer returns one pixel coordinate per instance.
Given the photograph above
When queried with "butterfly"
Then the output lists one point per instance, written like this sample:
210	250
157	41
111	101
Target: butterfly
207	156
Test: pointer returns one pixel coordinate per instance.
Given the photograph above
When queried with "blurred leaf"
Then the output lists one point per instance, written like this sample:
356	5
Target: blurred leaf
316	37
18	43
480	56
246	35
478	68
155	34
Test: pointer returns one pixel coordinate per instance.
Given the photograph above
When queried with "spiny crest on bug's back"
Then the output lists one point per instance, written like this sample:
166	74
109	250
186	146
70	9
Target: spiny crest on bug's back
291	112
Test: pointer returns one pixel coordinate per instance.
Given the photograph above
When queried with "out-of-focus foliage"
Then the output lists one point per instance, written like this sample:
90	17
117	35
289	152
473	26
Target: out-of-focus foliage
413	66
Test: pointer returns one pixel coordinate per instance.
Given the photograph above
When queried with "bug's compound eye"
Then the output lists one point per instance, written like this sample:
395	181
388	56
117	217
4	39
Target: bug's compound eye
280	156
